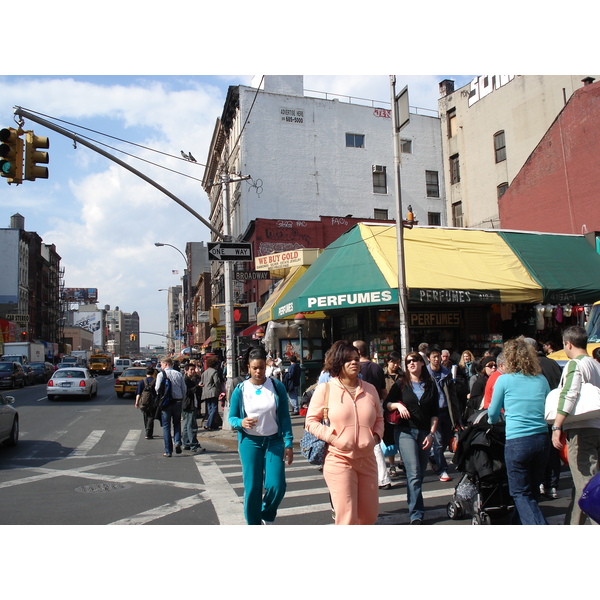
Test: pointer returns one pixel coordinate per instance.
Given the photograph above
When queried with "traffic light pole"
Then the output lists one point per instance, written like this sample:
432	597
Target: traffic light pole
27	115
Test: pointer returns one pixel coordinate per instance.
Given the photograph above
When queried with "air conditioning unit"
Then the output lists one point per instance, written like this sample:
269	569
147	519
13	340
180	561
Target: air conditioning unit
378	168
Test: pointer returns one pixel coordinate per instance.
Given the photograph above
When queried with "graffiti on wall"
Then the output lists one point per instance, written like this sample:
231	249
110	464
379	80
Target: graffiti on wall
485	84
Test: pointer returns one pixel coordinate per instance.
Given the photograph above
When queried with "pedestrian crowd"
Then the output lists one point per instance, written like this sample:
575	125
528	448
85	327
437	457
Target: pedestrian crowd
382	423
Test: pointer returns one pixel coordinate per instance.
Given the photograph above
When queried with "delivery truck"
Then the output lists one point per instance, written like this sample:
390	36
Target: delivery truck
23	352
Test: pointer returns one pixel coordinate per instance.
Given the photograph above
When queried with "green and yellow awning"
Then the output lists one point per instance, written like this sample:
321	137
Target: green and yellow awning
443	267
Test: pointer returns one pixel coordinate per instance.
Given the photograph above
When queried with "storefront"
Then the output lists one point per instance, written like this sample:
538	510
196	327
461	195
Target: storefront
466	288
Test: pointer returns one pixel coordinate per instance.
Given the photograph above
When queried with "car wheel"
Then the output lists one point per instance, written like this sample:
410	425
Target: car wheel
120	394
50	397
14	433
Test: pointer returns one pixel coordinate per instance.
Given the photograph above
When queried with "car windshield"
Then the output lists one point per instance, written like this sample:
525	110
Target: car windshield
134	373
63	373
6	366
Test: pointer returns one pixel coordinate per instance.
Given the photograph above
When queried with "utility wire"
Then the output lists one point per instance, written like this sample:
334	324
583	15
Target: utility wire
126	142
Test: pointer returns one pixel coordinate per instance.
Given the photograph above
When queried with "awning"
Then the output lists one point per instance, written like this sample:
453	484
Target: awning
249	331
207	342
267	314
445	266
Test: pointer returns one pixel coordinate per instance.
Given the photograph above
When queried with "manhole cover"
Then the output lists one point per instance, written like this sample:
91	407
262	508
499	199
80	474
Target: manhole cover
101	487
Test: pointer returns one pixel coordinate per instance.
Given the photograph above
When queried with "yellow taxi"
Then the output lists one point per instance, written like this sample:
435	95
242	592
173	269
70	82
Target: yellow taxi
127	381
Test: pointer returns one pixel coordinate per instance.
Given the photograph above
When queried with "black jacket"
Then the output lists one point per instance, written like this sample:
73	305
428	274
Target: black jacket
421	411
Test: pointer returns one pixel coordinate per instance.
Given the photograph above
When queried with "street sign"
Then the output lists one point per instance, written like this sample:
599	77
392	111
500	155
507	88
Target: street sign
251	275
18	318
230	251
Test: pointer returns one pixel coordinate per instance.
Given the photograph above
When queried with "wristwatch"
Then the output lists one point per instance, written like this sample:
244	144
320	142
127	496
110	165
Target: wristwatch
555	428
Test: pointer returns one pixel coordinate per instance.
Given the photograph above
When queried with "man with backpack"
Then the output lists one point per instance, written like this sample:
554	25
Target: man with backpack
170	390
145	400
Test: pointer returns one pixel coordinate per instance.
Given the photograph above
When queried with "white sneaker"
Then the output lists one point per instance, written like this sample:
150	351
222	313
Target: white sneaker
267	522
445	477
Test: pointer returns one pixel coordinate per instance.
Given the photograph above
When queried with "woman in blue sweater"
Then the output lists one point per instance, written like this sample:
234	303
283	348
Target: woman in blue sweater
521	391
259	411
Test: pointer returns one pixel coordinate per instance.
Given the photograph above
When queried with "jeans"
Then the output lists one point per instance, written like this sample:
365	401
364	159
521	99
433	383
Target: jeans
294	400
526	458
211	409
168	414
441	439
262	465
189	429
410	444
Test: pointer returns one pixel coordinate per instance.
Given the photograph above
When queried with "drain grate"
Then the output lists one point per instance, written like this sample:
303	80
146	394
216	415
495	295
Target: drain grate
101	487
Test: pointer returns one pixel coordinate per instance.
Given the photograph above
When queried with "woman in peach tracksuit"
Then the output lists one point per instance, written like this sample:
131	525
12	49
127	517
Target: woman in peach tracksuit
355	427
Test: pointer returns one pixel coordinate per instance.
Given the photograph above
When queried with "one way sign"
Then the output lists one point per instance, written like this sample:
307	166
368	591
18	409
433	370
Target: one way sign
229	251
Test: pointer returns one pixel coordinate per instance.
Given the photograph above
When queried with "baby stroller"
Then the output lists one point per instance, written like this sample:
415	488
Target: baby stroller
482	491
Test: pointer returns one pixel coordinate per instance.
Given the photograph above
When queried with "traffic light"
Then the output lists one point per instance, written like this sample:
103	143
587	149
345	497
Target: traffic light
132	337
11	153
33	156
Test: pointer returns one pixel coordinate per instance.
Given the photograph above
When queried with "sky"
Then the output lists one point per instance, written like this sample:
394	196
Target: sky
162	84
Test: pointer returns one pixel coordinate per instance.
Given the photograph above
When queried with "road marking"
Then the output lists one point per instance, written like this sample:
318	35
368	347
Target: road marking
87	444
130	442
227	504
162	511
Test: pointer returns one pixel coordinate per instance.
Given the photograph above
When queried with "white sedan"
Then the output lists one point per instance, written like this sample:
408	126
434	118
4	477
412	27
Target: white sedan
9	421
72	381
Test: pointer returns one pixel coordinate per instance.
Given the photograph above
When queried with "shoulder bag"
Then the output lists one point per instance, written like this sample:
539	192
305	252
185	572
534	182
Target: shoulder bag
311	447
392	417
586	407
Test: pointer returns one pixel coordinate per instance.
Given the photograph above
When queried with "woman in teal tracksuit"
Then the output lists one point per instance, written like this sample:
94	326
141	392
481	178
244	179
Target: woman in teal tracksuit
259	411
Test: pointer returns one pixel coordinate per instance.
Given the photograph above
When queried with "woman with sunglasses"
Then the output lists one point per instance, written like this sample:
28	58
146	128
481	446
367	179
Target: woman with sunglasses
415	397
475	399
355	427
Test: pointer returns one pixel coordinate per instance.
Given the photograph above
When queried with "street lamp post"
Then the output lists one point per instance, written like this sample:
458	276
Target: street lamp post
186	291
300	320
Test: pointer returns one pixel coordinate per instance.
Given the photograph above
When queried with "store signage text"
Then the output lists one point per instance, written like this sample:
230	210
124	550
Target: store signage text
454	296
341	300
434	319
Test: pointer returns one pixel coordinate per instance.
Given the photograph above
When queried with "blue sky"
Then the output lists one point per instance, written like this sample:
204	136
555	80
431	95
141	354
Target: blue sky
103	219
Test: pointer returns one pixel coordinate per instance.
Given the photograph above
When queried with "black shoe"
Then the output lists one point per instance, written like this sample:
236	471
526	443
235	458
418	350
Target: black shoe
199	450
178	449
388	486
186	447
416	522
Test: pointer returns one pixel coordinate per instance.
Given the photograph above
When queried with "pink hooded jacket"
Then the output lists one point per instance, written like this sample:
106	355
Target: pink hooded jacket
353	423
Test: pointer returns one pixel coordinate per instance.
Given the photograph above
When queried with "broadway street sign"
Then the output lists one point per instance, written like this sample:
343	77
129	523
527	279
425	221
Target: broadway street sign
229	251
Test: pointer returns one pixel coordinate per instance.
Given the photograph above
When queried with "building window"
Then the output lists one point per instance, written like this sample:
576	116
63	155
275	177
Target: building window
355	140
457	215
434	218
501	189
379	179
451	117
500	146
406	146
454	169
380	214
433	184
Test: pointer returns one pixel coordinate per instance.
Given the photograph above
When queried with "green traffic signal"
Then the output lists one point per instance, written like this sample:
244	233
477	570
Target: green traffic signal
11	151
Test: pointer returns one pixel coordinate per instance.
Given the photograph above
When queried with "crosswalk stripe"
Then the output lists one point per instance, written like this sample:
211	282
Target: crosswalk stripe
87	444
227	504
159	512
130	442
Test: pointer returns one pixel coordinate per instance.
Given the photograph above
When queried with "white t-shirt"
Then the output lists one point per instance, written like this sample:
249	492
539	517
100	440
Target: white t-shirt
262	405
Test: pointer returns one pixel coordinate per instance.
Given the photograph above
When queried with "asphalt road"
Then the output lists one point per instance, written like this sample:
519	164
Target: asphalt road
88	463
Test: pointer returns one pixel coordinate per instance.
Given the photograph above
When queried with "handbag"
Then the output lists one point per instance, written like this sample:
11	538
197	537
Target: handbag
586	407
311	447
393	416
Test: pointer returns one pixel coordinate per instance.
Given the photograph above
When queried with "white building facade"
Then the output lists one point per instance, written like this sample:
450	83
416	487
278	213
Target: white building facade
311	156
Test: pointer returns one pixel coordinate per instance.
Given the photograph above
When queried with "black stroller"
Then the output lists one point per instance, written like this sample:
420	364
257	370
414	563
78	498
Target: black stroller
482	491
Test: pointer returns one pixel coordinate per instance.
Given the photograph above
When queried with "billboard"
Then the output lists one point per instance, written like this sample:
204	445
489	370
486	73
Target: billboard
90	321
81	295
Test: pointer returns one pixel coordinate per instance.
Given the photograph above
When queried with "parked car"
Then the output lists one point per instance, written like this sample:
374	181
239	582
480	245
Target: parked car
12	375
72	381
42	371
9	421
128	381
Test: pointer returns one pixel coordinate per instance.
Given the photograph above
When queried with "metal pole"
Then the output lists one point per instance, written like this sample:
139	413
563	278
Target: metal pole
300	331
402	295
228	281
23	113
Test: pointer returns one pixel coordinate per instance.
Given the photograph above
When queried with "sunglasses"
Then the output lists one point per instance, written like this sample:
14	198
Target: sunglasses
412	360
491	365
